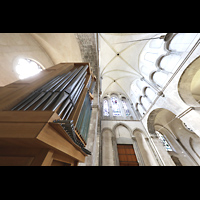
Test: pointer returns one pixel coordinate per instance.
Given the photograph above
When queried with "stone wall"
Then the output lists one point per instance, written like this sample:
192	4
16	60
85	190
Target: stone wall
88	48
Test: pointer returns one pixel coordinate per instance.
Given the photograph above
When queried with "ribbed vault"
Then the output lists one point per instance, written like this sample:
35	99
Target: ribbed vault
119	60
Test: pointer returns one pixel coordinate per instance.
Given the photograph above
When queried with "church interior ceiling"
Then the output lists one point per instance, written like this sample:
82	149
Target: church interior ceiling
119	60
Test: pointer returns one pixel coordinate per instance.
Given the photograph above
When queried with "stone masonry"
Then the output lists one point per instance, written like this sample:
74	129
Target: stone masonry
88	47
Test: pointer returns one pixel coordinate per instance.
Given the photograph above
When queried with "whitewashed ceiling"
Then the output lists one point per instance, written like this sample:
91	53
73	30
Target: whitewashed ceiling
119	63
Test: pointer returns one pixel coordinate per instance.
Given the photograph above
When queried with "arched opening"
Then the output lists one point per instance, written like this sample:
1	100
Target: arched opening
160	78
126	149
106	110
144	152
27	67
189	84
177	136
181	41
115	106
125	105
121	131
169	62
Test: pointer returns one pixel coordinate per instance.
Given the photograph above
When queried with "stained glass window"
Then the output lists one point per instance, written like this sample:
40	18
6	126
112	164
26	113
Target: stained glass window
115	107
164	141
125	108
105	108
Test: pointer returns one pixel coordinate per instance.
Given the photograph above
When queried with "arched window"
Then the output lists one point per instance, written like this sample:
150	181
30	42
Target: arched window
105	108
160	78
156	44
151	57
115	106
150	94
146	70
27	67
135	89
145	102
124	104
164	141
169	62
141	109
181	41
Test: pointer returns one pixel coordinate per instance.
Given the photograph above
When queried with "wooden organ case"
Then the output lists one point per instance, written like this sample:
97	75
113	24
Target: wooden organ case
44	119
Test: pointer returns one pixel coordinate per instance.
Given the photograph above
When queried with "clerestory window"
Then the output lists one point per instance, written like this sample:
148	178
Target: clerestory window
115	106
105	108
126	110
164	141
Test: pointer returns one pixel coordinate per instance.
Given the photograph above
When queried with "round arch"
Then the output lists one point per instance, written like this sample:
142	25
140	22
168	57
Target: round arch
189	84
137	130
167	123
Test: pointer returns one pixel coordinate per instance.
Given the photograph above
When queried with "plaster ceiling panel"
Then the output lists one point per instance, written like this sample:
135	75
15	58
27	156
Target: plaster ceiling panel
115	38
106	54
119	73
125	83
117	64
132	53
107	81
113	88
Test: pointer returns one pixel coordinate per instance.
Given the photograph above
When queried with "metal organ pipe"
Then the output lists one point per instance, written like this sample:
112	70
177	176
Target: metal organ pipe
61	95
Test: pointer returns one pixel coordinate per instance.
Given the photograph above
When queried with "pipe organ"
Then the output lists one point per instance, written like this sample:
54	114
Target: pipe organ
44	119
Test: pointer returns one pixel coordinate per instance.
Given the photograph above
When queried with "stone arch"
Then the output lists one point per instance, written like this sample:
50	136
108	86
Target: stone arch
150	120
189	84
138	130
123	125
144	149
168	124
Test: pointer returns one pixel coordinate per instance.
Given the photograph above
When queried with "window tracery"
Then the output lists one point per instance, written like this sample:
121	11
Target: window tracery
115	106
126	110
164	141
105	108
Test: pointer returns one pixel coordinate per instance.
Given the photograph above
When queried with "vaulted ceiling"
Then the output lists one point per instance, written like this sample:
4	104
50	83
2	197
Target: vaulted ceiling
119	60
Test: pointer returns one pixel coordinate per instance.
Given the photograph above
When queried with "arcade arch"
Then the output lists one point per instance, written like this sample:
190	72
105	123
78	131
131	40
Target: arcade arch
178	136
189	84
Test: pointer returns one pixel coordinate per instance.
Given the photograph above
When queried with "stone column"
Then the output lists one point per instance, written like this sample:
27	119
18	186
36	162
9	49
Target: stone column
146	153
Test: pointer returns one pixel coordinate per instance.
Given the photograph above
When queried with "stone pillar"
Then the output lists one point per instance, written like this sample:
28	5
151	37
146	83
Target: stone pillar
107	148
145	151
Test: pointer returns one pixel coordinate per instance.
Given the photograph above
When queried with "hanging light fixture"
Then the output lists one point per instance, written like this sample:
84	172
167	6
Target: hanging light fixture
166	38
